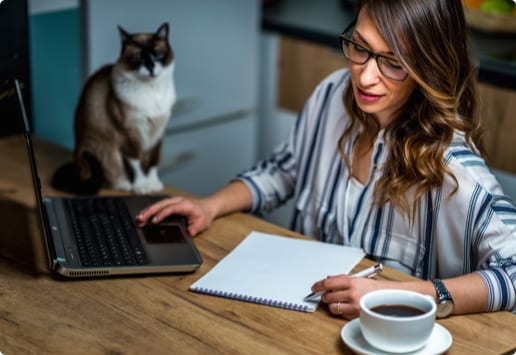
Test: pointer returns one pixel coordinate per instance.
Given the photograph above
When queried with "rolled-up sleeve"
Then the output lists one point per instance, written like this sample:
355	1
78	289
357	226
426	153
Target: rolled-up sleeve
501	294
272	181
497	252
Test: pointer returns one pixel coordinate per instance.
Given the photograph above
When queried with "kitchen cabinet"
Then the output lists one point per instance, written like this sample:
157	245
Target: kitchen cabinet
498	106
302	65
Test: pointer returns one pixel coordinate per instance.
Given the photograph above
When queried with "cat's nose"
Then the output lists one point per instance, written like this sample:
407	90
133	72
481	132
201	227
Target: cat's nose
149	64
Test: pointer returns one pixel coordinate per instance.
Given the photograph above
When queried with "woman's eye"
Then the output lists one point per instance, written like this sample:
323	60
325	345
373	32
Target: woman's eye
359	48
393	64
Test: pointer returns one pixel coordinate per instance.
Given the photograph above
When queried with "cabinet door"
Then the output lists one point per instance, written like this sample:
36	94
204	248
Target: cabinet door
202	160
302	66
498	107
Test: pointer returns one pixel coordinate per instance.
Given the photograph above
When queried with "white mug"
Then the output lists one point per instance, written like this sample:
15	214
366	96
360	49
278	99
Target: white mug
408	329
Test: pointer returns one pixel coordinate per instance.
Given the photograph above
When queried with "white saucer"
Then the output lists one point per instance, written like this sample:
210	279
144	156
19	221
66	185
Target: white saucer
439	342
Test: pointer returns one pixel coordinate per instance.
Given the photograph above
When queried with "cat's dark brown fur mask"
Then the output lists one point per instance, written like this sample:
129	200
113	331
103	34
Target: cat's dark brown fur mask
145	54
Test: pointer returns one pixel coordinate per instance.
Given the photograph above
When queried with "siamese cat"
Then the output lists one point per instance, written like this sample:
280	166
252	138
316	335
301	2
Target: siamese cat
121	118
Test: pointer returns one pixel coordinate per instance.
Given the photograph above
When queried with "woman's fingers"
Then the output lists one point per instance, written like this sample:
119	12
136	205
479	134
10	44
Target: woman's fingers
343	309
160	210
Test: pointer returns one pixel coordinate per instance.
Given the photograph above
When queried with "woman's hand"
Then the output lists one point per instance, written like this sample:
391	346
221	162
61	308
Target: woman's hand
343	293
195	210
200	212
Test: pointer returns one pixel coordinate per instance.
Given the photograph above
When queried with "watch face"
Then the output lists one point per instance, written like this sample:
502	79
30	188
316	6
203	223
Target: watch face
444	309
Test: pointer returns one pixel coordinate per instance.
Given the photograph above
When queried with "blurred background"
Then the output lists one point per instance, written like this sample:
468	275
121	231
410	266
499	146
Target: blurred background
243	71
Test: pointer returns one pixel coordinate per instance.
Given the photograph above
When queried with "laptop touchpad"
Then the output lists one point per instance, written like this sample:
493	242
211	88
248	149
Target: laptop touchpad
155	234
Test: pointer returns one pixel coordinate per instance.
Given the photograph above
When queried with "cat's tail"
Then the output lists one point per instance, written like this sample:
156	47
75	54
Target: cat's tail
67	177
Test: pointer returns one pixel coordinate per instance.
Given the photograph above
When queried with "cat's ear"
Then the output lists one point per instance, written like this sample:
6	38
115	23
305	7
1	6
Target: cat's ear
124	35
162	31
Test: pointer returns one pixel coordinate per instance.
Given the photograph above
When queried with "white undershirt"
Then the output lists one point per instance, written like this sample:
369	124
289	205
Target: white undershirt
352	196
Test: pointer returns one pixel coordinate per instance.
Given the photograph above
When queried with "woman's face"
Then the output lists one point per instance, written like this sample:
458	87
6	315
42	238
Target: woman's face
375	93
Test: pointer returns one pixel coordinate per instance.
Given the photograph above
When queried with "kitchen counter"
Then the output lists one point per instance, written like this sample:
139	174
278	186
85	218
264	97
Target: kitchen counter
322	21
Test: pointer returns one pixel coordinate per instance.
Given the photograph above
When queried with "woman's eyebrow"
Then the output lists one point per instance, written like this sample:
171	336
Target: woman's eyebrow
362	39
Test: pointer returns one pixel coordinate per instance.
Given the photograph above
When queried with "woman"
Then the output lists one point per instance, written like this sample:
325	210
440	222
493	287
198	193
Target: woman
387	156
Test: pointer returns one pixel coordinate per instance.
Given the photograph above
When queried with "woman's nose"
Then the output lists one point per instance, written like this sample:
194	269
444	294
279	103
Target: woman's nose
370	73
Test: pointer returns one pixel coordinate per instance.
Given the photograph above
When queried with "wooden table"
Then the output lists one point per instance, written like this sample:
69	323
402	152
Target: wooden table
42	314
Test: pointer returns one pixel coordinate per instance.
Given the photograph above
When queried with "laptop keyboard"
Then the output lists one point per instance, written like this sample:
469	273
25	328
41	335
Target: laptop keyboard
105	232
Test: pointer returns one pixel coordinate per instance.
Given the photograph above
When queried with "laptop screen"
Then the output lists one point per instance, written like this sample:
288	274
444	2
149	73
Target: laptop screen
30	149
33	169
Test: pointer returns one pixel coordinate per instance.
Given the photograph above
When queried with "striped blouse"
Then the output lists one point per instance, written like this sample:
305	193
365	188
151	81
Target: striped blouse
473	230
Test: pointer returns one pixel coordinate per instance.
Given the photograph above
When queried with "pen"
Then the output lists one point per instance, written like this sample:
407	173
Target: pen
369	272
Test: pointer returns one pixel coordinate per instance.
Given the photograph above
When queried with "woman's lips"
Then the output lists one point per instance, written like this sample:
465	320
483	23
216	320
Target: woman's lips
367	97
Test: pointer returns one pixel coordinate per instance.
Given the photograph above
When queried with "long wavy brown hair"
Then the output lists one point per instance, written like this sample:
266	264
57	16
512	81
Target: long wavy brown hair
429	37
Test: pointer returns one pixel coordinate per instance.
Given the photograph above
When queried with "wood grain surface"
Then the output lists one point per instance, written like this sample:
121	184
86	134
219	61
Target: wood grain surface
41	313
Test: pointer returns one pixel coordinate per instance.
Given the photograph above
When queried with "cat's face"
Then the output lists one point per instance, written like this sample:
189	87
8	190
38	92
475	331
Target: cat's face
145	55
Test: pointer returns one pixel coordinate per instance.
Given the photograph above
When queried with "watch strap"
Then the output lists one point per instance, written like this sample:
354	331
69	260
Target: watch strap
442	292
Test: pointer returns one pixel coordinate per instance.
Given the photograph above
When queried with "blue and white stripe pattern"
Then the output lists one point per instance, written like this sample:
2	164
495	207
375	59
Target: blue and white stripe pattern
473	230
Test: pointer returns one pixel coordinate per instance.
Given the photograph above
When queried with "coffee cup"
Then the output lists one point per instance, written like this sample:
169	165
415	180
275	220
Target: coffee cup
397	320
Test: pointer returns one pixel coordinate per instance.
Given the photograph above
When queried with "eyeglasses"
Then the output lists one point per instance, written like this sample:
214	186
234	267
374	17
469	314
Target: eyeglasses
358	54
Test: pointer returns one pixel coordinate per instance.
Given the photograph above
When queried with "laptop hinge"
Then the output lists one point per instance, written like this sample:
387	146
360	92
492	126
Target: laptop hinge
57	253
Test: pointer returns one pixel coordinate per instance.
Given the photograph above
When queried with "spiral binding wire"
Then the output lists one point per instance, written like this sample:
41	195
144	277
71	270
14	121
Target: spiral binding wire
253	299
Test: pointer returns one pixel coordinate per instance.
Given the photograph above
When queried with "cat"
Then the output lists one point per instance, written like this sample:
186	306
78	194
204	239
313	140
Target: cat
121	117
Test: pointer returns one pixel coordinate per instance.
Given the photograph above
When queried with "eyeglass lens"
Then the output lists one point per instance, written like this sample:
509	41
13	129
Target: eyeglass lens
360	55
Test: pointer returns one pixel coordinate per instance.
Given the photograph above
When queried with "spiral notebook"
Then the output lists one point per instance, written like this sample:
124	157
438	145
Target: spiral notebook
276	271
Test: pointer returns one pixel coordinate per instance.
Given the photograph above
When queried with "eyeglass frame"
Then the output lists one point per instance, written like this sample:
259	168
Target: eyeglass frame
344	38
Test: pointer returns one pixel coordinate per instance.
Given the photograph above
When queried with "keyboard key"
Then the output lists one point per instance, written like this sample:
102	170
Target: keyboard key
105	232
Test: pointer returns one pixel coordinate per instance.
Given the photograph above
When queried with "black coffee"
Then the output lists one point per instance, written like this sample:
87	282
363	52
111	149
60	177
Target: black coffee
398	310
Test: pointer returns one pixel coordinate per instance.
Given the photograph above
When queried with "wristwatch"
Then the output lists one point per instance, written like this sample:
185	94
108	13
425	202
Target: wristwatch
444	299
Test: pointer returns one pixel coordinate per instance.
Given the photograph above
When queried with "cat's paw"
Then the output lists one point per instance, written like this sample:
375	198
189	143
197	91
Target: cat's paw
122	186
146	186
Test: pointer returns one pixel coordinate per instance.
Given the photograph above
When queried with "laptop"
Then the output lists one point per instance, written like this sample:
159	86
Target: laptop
96	236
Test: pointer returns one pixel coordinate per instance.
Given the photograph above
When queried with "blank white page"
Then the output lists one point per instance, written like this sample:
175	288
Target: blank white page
276	271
